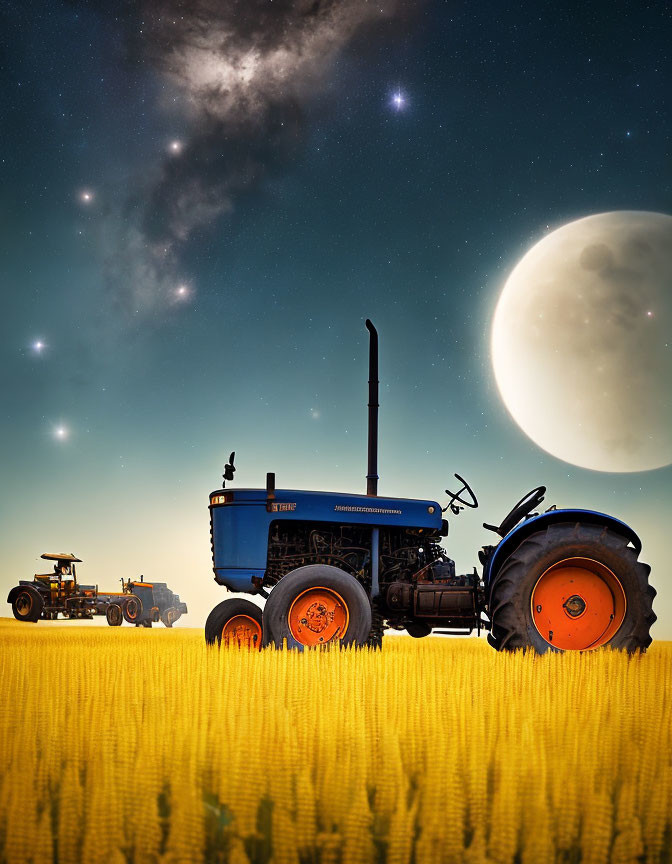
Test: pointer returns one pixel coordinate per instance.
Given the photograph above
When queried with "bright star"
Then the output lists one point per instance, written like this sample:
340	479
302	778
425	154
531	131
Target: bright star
398	101
60	433
175	147
86	196
181	293
38	346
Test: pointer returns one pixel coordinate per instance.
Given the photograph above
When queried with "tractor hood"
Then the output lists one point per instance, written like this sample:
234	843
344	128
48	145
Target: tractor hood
241	519
334	507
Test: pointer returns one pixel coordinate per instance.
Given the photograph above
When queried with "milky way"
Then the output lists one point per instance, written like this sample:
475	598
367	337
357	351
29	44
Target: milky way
247	71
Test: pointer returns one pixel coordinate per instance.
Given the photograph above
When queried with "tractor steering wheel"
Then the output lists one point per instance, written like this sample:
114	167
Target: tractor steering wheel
455	496
526	505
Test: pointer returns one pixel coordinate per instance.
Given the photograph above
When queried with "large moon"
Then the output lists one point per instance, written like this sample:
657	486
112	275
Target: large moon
582	342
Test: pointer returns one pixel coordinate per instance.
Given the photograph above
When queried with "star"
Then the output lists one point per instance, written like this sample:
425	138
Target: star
398	100
175	147
182	292
86	196
60	433
38	346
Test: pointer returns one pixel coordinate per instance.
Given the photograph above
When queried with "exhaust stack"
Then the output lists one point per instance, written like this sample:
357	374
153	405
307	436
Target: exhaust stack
372	475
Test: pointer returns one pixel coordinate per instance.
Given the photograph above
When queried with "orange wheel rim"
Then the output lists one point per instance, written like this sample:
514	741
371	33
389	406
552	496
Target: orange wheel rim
242	631
578	604
317	616
132	609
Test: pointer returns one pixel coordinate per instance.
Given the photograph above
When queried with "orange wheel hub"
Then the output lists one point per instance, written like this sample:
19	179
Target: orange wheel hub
317	616
578	604
242	631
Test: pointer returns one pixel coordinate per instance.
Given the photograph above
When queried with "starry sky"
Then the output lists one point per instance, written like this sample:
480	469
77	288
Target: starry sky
201	204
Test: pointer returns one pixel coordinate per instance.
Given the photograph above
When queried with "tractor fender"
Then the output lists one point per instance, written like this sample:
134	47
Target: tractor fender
23	584
522	531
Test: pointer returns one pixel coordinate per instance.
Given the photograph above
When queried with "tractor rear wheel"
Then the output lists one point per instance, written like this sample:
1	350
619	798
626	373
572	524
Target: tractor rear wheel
27	604
573	587
114	615
235	622
315	605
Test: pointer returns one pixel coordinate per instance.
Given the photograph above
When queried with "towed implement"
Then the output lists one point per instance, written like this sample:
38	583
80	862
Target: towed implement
49	595
337	567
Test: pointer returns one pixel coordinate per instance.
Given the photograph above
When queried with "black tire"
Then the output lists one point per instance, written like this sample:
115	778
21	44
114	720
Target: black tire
510	603
114	615
224	612
27	604
276	611
132	609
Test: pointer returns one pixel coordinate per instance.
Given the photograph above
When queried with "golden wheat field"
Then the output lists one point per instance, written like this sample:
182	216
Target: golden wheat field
125	745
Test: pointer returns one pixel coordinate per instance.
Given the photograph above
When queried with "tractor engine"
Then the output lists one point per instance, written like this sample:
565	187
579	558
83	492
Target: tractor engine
435	596
417	579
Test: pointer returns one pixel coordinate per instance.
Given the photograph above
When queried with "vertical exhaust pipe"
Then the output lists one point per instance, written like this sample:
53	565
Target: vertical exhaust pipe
372	475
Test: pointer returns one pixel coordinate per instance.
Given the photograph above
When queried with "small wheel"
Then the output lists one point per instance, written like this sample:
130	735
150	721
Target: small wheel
114	615
132	609
170	616
235	622
572	588
315	605
28	604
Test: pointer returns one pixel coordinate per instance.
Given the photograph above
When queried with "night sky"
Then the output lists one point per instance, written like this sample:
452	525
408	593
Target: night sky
202	202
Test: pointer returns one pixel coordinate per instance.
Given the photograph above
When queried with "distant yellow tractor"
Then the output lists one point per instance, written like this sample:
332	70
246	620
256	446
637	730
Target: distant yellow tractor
56	593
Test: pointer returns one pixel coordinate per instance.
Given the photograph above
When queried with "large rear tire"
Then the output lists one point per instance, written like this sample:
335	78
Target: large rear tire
235	622
27	604
315	605
573	587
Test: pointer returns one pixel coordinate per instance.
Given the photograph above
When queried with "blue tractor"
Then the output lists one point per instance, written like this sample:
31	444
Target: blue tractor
335	567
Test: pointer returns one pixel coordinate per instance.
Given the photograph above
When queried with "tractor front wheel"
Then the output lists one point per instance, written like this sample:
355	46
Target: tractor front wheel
315	605
573	587
114	615
27	604
235	622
